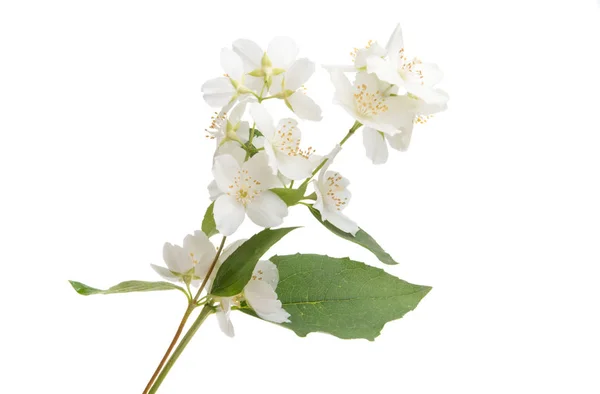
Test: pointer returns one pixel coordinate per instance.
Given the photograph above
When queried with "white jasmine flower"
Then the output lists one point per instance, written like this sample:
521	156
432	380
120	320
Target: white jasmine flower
370	103
243	188
188	263
279	56
222	91
418	78
333	196
287	86
282	145
260	295
226	128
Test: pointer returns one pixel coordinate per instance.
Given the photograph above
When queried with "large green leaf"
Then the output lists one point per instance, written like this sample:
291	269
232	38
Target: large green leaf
126	287
209	227
361	238
341	297
291	196
237	269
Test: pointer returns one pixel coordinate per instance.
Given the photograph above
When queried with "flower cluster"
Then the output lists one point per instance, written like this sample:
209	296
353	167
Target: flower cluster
257	158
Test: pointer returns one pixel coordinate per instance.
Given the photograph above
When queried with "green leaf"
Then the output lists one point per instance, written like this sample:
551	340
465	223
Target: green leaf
209	227
237	269
341	297
361	238
126	287
291	196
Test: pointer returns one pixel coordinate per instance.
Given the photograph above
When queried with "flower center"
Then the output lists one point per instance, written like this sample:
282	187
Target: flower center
244	187
369	104
285	142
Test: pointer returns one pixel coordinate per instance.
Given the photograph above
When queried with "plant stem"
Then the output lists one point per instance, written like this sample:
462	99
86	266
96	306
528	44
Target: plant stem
185	318
191	305
354	127
204	313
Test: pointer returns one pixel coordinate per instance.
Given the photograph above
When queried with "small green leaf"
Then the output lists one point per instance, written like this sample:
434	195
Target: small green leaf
237	269
291	196
341	297
361	238
126	287
209	227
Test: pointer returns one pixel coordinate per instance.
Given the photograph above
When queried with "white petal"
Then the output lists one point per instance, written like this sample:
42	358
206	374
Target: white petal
268	273
342	222
258	168
225	321
385	70
282	52
225	169
298	73
250	53
400	114
330	157
375	145
218	92
259	142
363	54
232	64
304	107
277	84
263	299
294	167
319	203
229	214
234	149
263	119
401	140
344	92
165	273
236	113
267	209
428	94
243	132
213	190
395	43
273	163
176	258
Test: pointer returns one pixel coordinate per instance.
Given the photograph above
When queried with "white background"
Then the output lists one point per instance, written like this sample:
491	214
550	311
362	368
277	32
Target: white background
496	204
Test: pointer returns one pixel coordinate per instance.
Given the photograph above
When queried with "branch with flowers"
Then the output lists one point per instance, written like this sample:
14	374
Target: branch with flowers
256	164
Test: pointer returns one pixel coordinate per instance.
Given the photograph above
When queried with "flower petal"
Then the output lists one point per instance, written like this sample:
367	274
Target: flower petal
263	299
234	149
258	168
243	132
273	162
375	145
232	64
401	140
268	272
218	92
235	116
225	169
229	214
394	45
298	73
176	258
342	222
250	53
223	318
213	190
360	61
165	273
282	52
294	167
385	70
304	107
344	92
267	209
263	119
